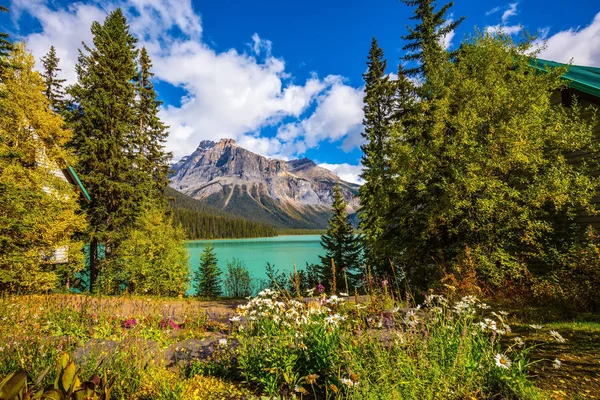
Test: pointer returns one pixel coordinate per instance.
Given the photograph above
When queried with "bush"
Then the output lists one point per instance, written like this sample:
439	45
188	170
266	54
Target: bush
152	260
238	282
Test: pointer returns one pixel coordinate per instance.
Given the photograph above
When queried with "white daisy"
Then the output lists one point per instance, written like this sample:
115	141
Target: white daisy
502	361
536	327
411	318
556	336
556	364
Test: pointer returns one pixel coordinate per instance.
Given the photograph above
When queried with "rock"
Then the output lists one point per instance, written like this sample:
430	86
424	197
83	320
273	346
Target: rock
186	351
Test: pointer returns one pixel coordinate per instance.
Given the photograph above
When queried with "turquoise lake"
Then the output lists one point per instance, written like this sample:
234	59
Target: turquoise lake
281	251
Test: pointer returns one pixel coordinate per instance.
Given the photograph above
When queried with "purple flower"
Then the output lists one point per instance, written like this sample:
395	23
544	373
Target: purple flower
384	283
169	323
320	288
129	323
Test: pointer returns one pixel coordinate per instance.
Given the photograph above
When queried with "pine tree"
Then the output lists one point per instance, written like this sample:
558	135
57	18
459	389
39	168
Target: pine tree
378	110
104	119
207	277
425	39
39	212
341	246
5	48
54	89
153	160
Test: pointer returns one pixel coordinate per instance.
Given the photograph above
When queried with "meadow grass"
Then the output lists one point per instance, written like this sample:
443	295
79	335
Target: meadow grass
329	347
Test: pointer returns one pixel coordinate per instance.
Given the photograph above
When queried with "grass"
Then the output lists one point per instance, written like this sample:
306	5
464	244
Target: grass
579	375
330	349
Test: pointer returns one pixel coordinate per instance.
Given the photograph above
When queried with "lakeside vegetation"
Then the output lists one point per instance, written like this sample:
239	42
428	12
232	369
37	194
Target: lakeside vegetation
471	201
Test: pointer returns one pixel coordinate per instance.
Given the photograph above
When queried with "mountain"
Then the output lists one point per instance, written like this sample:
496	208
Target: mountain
292	194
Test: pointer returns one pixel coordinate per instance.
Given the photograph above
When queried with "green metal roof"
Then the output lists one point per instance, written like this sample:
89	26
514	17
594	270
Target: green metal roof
78	182
584	79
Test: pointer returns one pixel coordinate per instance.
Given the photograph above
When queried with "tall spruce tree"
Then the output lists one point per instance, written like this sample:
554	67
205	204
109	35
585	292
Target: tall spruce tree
152	159
378	110
5	48
341	246
207	279
54	85
425	40
103	120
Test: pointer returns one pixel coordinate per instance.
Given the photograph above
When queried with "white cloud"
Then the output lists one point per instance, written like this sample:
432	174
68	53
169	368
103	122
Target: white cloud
347	172
507	29
511	11
503	26
493	10
581	45
446	40
227	94
338	116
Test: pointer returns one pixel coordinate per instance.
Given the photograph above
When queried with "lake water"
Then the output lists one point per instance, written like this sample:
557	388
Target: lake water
281	251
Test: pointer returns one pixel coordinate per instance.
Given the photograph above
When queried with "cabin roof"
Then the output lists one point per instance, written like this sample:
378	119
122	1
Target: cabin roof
72	175
582	78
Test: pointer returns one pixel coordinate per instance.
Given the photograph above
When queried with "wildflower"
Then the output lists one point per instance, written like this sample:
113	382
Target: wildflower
536	327
519	341
223	342
502	361
311	379
130	323
556	363
235	318
348	382
320	288
556	336
411	318
344	294
300	389
384	283
483	306
503	313
310	292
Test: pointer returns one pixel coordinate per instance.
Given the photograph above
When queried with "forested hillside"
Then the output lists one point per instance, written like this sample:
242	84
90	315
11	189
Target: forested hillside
202	221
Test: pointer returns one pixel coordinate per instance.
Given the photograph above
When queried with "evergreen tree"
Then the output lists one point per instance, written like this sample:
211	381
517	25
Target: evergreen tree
425	40
5	48
484	193
39	212
207	277
104	119
151	260
341	246
153	160
378	110
54	90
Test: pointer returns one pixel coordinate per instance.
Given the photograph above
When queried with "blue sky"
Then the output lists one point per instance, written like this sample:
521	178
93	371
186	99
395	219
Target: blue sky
283	77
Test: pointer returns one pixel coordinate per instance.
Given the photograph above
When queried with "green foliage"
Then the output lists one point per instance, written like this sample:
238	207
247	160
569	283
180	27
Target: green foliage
54	90
38	207
152	160
67	385
342	247
331	348
238	282
207	277
103	119
482	178
378	111
151	260
5	48
202	221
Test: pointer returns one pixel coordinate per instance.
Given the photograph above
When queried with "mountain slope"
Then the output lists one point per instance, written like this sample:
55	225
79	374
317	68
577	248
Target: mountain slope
202	221
293	194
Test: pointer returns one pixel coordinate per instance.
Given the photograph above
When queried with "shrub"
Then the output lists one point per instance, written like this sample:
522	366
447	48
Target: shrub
238	282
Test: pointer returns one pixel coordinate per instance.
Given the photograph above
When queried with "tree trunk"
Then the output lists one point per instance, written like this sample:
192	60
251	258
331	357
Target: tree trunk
94	267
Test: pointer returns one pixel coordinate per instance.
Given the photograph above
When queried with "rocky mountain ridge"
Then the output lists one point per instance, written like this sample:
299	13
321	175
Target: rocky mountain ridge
296	193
